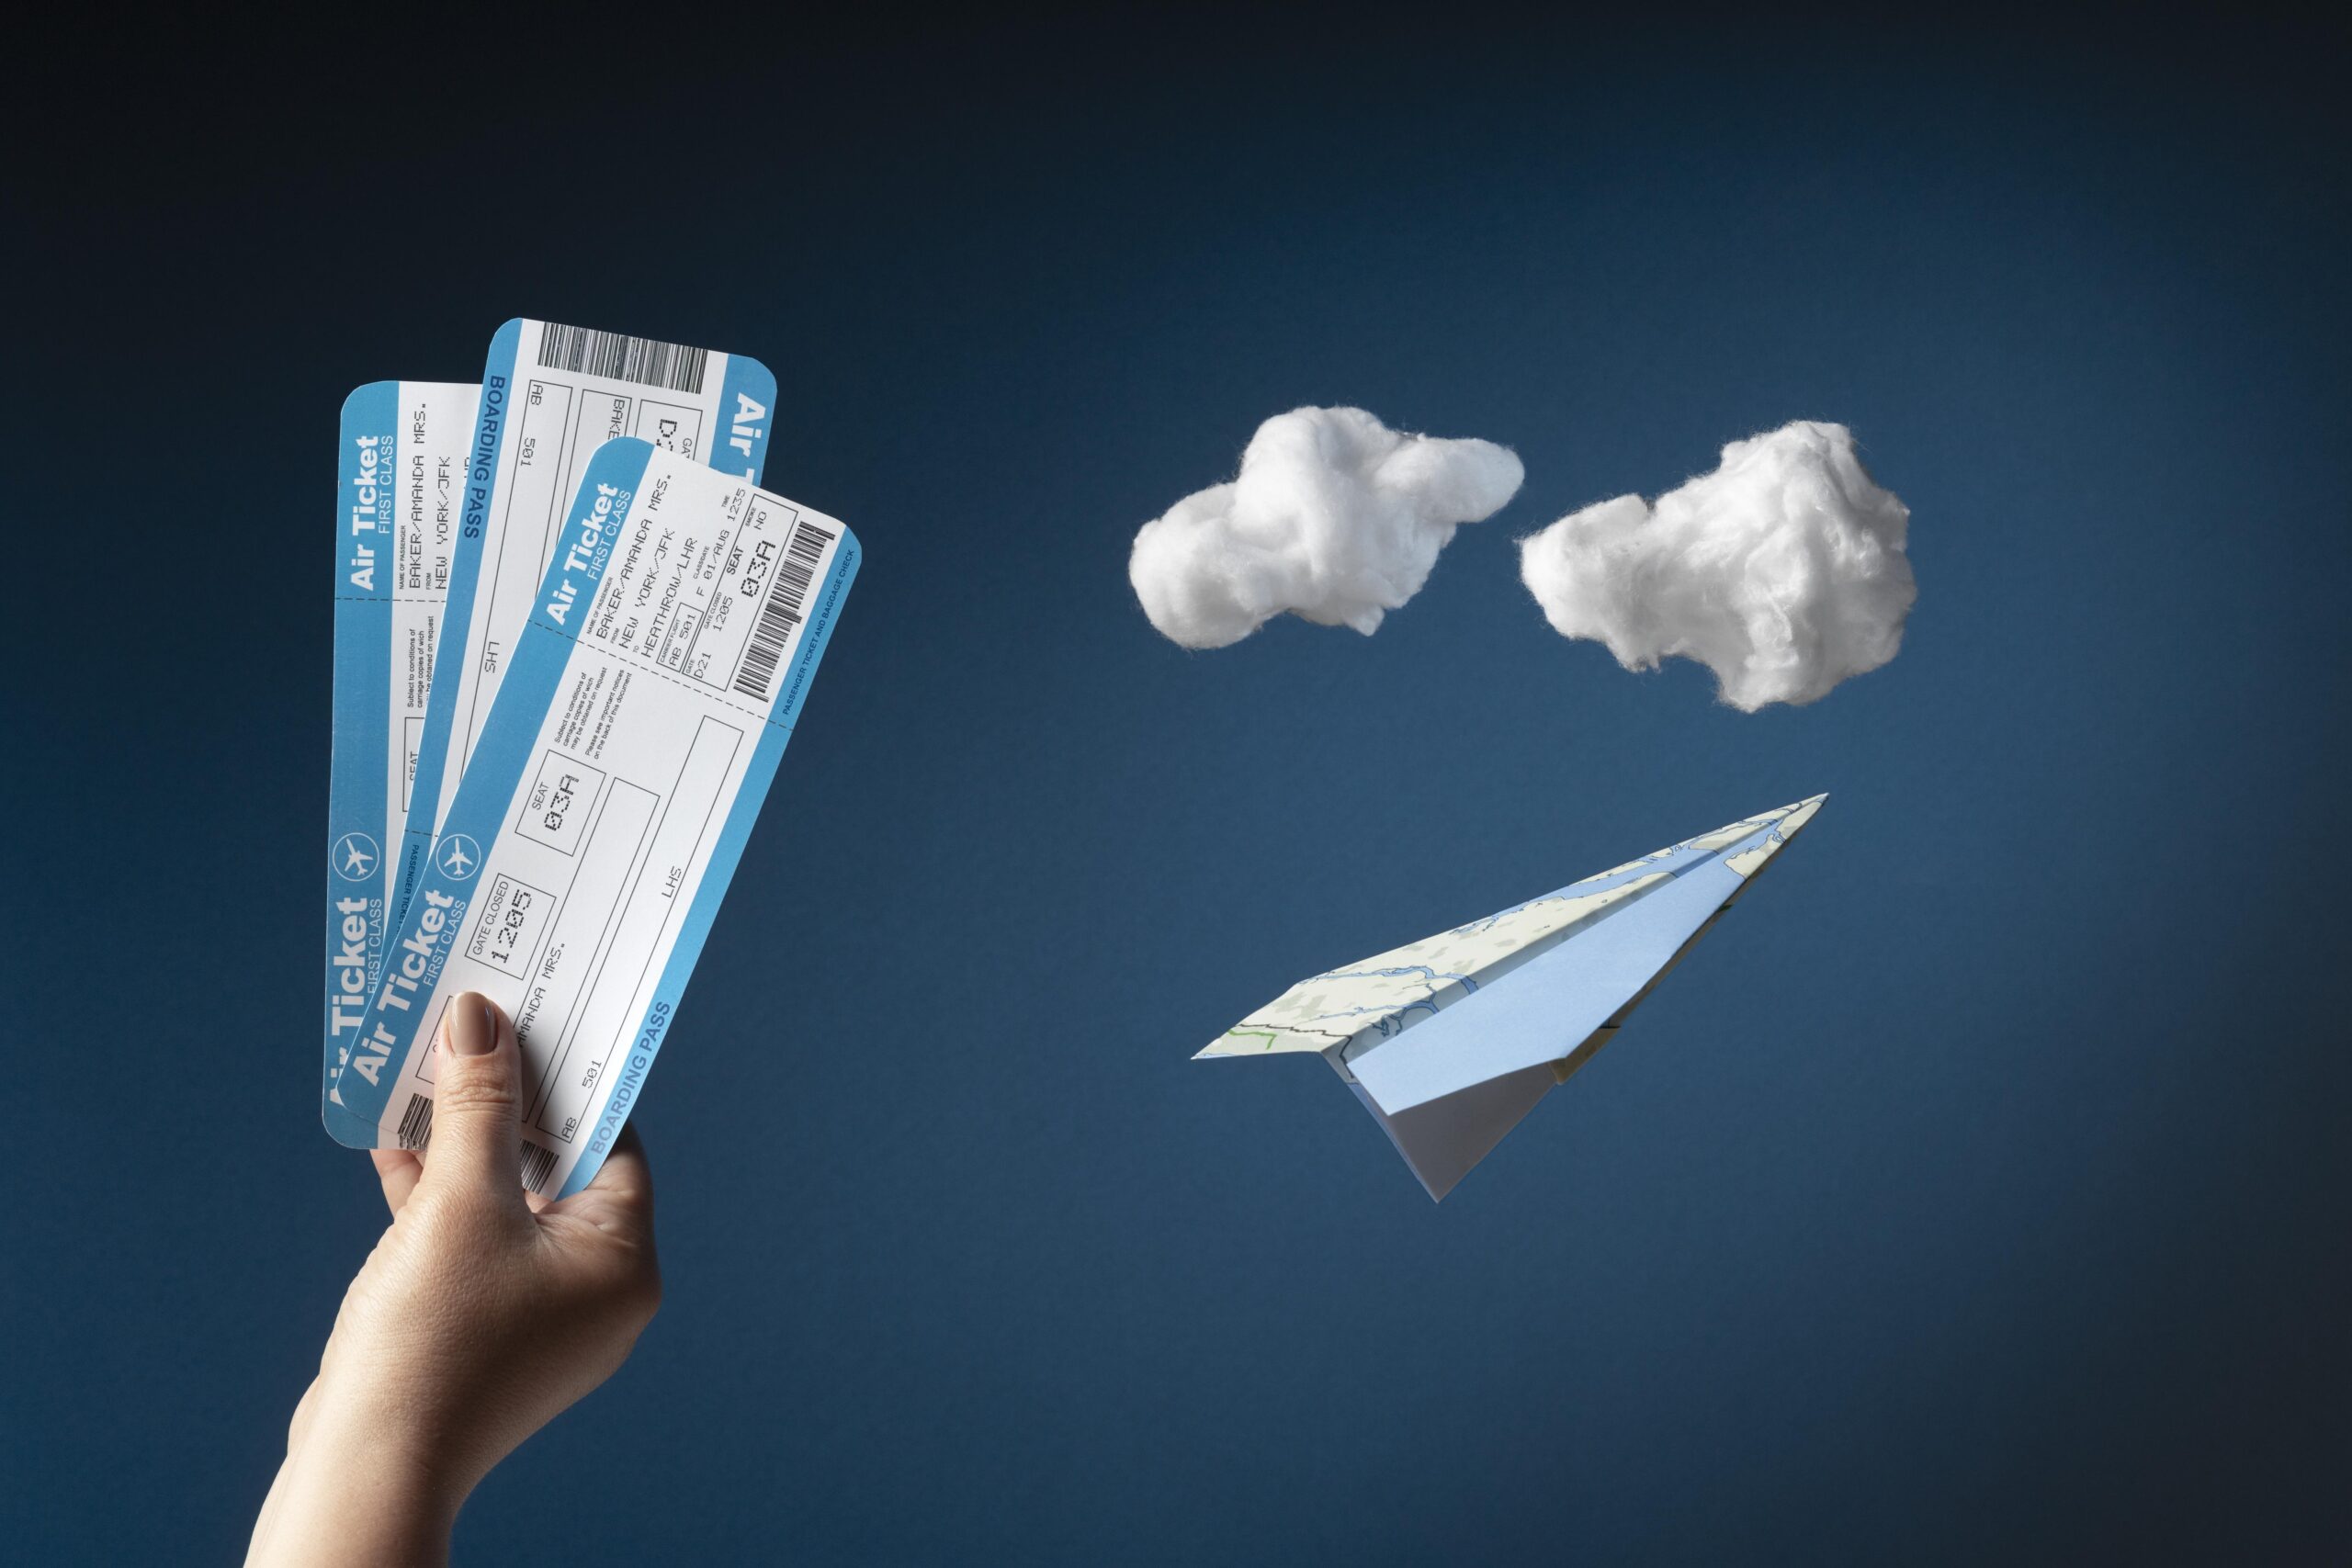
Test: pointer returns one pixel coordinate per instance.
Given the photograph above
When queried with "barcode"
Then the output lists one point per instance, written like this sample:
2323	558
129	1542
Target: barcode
417	1124
537	1163
416	1131
773	632
617	356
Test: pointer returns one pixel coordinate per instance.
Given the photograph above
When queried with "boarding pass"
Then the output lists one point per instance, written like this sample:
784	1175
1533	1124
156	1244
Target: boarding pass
551	395
403	472
652	690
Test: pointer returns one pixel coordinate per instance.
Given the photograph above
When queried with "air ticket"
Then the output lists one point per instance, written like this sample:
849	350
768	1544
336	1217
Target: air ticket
550	396
652	693
404	459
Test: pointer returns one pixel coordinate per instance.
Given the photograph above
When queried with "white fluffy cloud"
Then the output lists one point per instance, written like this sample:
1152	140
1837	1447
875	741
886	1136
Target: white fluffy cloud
1335	517
1783	572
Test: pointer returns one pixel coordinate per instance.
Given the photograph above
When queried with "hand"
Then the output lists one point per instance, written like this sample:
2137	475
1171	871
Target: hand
482	1313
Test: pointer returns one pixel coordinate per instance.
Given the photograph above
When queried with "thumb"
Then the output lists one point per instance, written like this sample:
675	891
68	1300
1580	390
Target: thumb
476	1106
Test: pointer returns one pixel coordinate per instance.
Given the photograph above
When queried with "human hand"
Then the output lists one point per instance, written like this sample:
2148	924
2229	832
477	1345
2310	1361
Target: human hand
482	1313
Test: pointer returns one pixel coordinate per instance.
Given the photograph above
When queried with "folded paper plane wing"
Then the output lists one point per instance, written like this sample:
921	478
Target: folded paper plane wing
1451	1040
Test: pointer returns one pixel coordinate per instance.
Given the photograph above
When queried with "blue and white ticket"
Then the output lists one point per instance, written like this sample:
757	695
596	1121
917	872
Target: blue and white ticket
551	395
651	694
401	473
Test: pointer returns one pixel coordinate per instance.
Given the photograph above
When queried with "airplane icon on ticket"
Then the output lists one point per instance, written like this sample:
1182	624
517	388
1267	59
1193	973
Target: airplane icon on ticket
355	857
460	855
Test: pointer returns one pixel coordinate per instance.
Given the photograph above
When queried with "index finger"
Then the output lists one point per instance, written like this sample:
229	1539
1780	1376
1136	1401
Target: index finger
626	1172
620	1194
399	1170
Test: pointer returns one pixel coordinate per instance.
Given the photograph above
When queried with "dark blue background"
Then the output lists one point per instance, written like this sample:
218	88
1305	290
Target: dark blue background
1975	1193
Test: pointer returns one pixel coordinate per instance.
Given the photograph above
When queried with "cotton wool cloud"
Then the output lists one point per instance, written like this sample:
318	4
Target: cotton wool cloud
1334	518
1783	571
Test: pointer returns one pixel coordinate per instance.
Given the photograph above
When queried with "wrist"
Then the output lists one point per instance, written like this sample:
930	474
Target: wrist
362	1488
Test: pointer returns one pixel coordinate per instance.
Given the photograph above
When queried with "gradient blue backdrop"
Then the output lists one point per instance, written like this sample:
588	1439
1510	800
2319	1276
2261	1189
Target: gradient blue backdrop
1977	1191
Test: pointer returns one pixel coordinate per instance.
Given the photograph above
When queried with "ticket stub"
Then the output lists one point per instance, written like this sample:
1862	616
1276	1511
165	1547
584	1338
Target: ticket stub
550	396
403	470
652	691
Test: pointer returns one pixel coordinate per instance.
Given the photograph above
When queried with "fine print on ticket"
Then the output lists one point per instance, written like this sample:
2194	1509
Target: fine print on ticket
403	470
651	692
551	395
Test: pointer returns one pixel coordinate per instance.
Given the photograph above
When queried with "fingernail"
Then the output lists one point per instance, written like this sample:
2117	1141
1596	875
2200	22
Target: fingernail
473	1028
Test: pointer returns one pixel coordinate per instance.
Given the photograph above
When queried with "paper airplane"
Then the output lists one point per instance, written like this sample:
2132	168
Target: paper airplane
1450	1041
